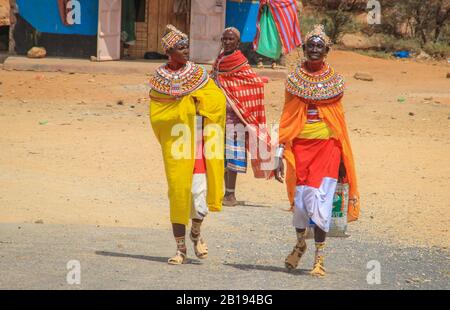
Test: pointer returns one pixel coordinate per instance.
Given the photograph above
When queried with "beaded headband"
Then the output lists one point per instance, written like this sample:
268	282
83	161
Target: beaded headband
173	37
319	33
233	30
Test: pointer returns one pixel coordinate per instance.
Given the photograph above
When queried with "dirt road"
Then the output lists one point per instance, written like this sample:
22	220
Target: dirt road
78	149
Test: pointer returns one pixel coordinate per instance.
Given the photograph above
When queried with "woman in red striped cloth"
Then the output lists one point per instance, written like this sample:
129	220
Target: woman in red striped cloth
246	128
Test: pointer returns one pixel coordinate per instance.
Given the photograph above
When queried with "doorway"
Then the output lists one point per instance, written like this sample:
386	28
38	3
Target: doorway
4	38
5	20
133	30
152	18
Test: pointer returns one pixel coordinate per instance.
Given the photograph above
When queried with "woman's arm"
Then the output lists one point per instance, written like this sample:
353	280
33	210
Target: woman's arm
279	165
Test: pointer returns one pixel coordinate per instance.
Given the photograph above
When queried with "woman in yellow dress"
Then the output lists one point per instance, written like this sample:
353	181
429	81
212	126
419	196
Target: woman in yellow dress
187	114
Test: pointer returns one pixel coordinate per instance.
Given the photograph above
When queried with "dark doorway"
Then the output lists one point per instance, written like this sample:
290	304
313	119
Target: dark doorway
4	38
140	10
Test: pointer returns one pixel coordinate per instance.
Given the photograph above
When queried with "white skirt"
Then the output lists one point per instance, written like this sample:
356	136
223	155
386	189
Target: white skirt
314	204
199	207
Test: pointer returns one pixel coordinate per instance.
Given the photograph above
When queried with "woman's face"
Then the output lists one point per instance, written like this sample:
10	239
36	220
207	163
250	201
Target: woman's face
315	50
179	53
230	42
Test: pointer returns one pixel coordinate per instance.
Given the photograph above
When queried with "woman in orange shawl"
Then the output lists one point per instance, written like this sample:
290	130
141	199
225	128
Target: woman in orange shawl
314	142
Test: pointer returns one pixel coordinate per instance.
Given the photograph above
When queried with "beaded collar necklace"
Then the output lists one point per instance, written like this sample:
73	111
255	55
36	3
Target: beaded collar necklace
321	85
180	82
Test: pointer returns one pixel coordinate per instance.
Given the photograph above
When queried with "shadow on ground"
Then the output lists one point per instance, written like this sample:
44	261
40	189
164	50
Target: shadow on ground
158	259
247	267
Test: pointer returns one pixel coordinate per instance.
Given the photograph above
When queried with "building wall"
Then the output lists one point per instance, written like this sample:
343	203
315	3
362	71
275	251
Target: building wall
159	13
39	23
243	16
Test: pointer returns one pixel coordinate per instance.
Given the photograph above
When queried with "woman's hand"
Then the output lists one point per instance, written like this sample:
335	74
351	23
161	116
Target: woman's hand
279	169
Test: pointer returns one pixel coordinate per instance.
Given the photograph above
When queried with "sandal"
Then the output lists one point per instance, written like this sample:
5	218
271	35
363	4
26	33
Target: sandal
292	259
229	202
179	259
200	247
319	268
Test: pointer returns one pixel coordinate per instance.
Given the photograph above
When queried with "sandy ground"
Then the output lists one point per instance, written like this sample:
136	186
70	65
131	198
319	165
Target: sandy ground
70	154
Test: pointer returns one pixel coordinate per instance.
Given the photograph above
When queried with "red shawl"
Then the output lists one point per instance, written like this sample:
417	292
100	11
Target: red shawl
245	93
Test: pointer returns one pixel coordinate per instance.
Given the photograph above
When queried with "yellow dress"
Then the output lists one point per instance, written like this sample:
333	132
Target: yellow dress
173	119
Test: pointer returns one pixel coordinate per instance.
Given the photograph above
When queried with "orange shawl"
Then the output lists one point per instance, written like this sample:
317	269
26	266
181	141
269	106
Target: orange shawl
292	121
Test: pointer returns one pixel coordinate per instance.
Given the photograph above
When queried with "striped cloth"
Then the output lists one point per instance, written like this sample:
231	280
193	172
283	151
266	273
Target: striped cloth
244	91
284	13
235	153
236	78
312	115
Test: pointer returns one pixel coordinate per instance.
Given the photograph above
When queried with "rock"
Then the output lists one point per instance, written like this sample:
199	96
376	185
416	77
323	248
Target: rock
132	106
428	98
448	75
37	52
93	58
423	55
363	76
120	102
91	80
40	221
411	114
